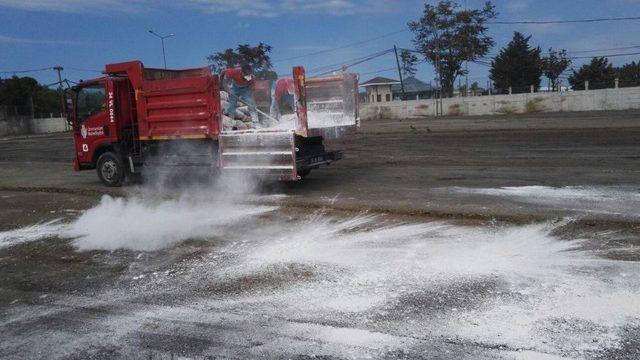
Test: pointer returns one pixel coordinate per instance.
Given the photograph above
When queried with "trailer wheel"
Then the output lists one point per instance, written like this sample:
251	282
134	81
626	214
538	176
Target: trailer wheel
110	169
304	173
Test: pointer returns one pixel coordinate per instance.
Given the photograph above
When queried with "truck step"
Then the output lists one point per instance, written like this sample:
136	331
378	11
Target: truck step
262	153
240	153
256	167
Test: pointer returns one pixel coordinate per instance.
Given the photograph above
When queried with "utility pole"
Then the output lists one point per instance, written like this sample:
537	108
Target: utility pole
59	69
466	78
395	50
466	66
439	83
438	70
161	37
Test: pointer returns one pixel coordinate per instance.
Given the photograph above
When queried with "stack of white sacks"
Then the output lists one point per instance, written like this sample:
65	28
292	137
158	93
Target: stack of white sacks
242	114
243	119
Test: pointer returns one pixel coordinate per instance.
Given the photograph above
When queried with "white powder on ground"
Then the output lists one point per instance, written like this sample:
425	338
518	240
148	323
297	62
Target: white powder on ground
147	225
31	233
586	199
550	296
514	286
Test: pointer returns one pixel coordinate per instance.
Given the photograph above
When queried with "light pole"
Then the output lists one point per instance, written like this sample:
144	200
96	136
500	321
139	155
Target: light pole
161	37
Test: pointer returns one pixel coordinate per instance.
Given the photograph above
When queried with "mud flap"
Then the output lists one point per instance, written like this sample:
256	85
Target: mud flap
261	153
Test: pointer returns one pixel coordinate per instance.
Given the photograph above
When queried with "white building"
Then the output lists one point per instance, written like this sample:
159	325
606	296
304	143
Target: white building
379	89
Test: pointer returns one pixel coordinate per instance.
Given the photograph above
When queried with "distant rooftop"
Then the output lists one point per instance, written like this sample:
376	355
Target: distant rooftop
412	85
380	81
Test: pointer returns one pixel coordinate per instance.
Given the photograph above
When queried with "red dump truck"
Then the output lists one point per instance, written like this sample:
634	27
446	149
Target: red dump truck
135	117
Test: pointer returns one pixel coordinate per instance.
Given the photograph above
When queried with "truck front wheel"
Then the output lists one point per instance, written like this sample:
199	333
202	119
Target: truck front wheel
110	169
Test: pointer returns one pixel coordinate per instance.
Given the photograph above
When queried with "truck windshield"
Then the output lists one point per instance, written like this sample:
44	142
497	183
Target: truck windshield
91	100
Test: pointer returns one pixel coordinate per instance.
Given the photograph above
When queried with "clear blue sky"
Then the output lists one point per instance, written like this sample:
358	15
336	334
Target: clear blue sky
86	34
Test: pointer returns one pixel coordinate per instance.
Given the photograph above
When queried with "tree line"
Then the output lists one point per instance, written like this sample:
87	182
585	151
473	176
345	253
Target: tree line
24	96
447	36
519	66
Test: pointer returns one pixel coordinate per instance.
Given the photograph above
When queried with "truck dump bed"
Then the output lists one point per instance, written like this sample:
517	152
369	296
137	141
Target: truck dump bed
172	104
332	103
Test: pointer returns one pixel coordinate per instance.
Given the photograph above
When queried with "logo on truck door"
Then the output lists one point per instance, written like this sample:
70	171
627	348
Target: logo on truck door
91	131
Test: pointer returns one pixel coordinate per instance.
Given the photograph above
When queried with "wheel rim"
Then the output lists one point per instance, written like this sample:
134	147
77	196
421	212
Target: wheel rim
109	170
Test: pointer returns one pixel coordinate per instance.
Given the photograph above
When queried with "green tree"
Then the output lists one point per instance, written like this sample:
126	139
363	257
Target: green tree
447	36
47	101
24	96
629	74
408	63
475	87
517	65
599	72
257	56
554	64
17	93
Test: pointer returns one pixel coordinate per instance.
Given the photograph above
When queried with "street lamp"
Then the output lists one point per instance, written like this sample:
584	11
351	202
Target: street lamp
161	37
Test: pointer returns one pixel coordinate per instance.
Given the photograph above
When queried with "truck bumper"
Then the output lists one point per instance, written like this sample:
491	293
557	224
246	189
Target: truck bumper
315	161
275	154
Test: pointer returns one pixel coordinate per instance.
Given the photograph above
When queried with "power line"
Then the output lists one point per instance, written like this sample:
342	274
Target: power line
344	67
547	22
483	64
530	22
25	71
331	66
596	50
86	70
606	55
342	47
339	66
380	71
490	57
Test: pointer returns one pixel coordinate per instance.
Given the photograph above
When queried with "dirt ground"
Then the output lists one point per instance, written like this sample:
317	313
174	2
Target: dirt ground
476	237
429	163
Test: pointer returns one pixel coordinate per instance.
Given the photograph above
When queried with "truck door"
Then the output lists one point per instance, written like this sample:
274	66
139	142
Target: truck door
91	127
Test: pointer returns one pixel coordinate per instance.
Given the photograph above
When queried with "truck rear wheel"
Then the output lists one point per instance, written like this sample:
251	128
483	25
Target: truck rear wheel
110	169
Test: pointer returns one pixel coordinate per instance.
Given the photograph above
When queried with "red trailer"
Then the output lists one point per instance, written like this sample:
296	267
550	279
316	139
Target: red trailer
135	117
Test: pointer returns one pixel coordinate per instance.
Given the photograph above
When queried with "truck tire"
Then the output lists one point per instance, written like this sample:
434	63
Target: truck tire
110	169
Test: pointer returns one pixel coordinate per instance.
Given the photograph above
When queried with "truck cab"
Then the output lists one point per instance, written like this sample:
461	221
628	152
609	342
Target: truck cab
100	116
119	120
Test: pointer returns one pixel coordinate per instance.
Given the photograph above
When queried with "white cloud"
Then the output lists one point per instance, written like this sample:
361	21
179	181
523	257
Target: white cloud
517	5
245	8
18	41
336	7
75	6
257	8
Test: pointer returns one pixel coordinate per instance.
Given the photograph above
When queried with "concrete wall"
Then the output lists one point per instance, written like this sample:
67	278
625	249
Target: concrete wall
605	99
23	125
49	125
15	125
